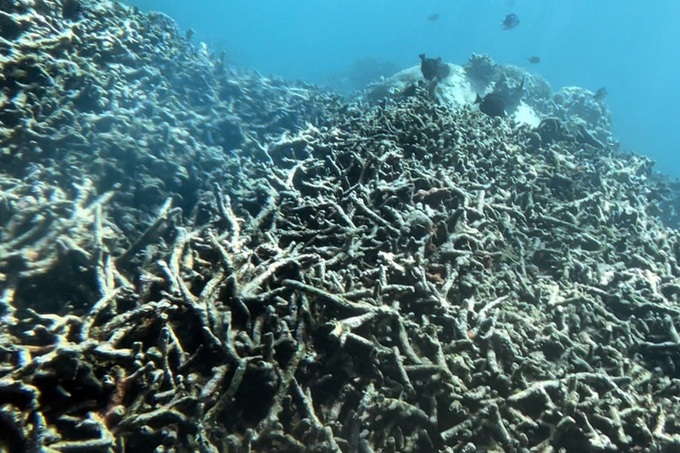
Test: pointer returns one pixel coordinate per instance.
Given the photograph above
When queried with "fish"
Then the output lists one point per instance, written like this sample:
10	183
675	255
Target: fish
499	104
410	90
492	104
428	66
433	68
433	17
534	59
510	21
600	94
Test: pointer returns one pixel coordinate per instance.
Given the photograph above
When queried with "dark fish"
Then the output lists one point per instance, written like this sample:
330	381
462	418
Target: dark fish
492	104
428	66
600	94
534	59
433	17
499	104
433	68
510	21
410	90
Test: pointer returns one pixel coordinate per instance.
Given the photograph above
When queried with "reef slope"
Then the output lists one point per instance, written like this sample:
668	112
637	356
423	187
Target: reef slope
194	258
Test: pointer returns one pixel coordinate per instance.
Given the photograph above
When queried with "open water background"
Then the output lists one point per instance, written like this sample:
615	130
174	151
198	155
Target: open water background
632	47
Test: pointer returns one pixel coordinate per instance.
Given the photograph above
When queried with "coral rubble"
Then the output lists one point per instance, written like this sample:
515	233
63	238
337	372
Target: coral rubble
194	258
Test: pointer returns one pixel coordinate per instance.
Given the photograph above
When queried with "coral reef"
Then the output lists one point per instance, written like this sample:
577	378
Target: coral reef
195	258
482	70
579	109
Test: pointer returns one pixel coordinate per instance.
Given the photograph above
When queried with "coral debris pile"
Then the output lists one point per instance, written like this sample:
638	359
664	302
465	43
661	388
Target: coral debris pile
197	259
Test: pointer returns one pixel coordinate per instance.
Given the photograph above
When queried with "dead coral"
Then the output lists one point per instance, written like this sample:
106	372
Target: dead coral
395	278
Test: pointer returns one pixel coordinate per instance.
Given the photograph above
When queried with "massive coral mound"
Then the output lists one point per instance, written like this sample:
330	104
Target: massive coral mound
577	109
193	258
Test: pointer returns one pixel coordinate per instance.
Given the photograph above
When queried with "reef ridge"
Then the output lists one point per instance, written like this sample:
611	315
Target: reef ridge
195	257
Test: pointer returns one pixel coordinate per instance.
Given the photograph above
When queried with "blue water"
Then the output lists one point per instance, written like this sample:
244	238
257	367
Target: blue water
629	46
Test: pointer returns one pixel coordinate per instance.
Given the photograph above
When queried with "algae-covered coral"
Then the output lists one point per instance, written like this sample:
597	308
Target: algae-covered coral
194	258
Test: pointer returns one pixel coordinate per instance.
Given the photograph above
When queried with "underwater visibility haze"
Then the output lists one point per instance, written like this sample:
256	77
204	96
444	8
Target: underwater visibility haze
630	47
339	226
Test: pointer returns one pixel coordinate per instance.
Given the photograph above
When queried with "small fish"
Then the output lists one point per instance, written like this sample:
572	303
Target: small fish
534	59
600	94
433	68
497	104
428	66
510	21
492	104
433	17
410	90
